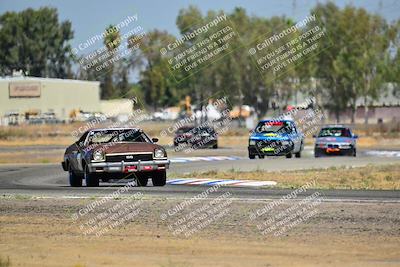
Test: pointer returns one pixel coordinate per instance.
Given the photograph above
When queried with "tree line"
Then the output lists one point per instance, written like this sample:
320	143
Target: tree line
361	59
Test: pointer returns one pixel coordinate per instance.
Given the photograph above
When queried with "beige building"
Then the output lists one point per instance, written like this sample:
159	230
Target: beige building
30	95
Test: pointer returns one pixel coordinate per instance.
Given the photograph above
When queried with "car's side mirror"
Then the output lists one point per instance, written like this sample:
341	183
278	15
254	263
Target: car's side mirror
155	140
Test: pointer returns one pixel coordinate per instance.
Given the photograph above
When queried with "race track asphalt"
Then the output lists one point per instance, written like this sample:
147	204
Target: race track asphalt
49	180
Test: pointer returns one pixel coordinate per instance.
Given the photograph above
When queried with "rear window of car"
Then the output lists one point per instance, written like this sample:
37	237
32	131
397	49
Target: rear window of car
334	132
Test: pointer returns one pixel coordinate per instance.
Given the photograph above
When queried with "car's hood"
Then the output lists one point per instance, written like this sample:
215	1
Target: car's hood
334	140
134	147
270	136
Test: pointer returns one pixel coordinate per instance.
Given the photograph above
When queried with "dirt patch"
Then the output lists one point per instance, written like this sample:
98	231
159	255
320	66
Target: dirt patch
42	233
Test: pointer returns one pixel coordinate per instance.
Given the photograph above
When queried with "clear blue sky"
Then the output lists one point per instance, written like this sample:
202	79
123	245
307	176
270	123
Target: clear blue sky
90	17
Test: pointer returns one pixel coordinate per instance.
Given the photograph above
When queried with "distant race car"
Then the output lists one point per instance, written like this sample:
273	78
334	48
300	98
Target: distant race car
335	140
196	137
115	153
275	138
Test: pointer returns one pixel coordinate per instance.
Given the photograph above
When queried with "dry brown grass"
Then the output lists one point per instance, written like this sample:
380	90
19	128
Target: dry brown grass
369	177
40	232
62	135
31	157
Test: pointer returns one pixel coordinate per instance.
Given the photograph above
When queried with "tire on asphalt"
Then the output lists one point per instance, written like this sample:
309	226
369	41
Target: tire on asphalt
288	155
75	180
252	156
298	154
142	180
92	180
215	146
159	178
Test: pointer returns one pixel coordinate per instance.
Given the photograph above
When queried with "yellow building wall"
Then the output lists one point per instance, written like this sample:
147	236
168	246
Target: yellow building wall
57	95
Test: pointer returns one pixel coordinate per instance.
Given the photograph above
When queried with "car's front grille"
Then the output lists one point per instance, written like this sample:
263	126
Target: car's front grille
333	146
265	143
129	157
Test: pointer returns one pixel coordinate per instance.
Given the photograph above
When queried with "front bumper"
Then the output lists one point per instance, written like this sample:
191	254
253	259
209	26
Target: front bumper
126	167
270	151
334	151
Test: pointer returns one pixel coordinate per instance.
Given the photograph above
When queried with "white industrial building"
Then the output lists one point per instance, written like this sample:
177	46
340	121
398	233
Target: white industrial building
21	97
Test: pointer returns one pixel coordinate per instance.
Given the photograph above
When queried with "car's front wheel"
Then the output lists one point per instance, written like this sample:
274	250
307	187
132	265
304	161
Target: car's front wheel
289	155
75	180
298	154
159	178
92	180
142	180
252	156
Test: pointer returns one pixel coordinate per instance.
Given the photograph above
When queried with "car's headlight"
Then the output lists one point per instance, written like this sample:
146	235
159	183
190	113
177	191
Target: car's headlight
285	143
98	155
159	153
252	142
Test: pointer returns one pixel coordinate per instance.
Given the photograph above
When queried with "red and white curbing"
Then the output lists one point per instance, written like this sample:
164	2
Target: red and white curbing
212	182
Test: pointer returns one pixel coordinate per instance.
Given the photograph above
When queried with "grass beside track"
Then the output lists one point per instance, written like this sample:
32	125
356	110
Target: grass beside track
368	177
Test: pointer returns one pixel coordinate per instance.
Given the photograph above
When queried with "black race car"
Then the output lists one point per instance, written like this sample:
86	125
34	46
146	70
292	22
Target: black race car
196	137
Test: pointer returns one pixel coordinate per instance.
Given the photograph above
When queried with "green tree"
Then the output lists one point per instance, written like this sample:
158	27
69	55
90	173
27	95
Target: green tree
35	42
111	40
155	78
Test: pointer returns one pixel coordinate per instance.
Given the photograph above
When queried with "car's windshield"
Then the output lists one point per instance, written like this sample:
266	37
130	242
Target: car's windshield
334	132
274	127
184	130
125	135
206	130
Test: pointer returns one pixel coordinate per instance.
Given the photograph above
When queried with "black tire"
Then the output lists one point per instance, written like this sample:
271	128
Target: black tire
261	156
142	180
92	180
159	178
252	156
289	155
215	146
74	179
298	154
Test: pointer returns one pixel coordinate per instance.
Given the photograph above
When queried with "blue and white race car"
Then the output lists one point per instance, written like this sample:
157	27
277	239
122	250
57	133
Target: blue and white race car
275	138
335	140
